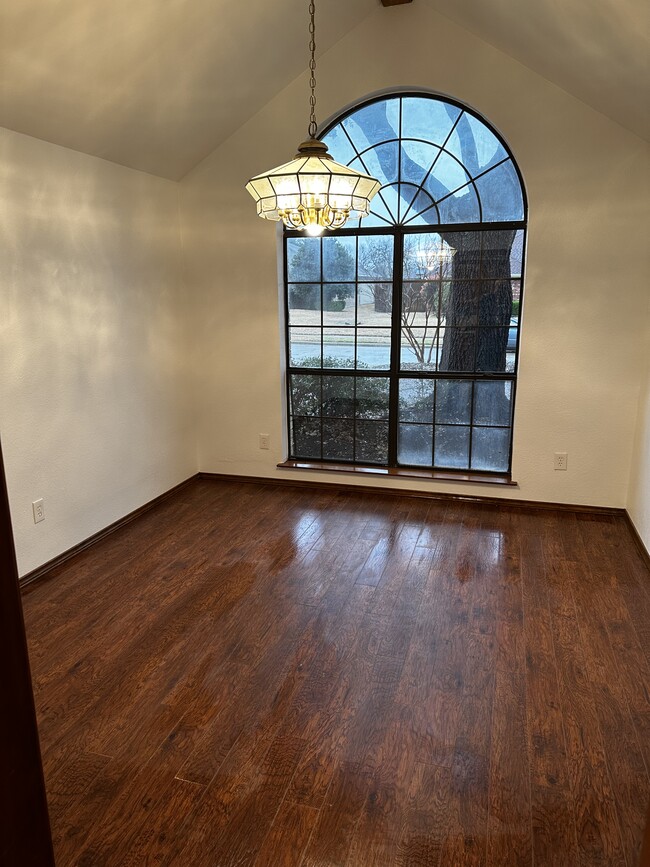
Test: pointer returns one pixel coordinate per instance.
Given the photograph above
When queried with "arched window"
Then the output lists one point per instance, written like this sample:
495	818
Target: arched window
403	329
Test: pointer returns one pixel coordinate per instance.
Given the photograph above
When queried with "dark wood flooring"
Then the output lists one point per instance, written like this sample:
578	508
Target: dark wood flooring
259	675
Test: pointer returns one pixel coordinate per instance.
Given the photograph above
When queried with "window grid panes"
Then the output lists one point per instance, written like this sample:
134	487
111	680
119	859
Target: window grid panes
403	331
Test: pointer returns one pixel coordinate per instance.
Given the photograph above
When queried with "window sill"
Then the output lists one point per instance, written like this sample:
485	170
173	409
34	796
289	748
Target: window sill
399	473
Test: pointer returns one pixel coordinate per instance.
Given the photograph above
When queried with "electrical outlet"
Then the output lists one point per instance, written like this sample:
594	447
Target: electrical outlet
38	508
265	441
560	461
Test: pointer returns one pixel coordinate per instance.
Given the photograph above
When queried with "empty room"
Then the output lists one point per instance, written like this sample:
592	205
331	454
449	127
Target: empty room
325	425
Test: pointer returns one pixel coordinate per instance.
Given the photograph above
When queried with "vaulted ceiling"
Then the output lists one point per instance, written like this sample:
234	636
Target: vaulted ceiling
597	50
158	84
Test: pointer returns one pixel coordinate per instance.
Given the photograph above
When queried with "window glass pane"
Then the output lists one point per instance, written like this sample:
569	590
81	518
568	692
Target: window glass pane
462	207
304	347
414	444
379	213
339	145
338	347
428	119
517	254
421	302
383	162
453	401
422	213
303	259
500	193
458	349
338	396
464	253
461	305
446	176
416	400
452	447
412	201
305	395
416	160
374	123
372	442
304	303
373	348
491	349
339	258
372	397
338	303
479	147
338	439
511	347
495	302
375	258
419	349
498	253
490	448
426	256
375	304
390	196
516	301
492	403
306	437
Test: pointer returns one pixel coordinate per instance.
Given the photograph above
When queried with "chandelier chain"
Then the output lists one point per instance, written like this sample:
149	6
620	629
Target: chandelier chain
312	192
313	126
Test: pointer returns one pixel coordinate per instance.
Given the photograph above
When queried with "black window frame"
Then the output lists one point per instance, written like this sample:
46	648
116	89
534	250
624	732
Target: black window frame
394	373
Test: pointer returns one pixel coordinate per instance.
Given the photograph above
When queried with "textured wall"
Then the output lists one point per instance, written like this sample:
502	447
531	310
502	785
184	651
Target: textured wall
586	280
95	411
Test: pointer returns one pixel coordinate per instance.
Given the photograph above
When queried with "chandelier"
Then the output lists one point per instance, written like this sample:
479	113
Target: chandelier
312	192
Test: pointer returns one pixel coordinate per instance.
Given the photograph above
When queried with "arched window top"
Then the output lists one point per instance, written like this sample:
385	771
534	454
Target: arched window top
439	163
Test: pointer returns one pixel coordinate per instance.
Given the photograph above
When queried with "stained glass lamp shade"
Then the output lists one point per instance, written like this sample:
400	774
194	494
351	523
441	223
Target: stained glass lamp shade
312	191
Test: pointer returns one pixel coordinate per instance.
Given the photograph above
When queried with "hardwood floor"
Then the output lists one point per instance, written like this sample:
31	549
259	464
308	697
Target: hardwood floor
268	676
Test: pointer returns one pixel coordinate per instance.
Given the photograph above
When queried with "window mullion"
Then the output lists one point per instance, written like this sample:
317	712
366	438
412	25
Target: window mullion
395	348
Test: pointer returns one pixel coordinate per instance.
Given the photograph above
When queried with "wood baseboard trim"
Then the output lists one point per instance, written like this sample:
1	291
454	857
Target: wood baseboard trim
643	551
44	571
344	487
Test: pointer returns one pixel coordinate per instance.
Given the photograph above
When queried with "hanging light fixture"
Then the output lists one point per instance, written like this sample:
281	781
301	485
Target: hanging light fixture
312	192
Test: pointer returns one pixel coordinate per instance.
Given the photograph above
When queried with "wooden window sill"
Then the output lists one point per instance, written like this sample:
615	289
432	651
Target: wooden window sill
399	473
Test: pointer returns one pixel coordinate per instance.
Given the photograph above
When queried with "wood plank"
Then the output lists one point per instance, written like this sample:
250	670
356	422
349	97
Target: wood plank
426	818
624	725
509	820
553	816
287	838
332	837
287	675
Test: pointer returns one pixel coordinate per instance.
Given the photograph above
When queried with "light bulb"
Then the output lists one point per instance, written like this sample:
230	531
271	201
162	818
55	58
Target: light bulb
314	229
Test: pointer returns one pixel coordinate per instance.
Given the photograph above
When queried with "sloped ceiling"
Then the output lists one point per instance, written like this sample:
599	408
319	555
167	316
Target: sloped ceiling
158	84
597	50
153	84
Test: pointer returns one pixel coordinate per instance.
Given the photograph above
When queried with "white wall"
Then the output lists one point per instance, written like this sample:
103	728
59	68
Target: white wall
95	407
638	504
586	277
